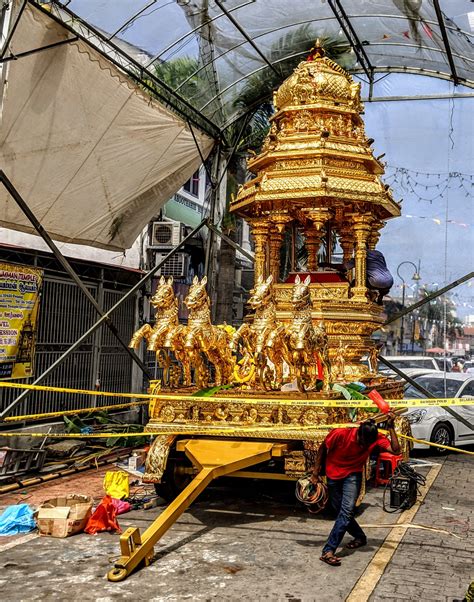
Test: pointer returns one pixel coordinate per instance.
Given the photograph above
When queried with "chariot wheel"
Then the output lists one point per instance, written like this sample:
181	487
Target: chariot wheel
173	480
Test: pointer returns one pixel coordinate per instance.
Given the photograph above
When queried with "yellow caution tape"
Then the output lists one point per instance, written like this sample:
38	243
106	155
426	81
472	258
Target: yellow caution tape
219	431
341	403
74	391
117	406
424	442
208	430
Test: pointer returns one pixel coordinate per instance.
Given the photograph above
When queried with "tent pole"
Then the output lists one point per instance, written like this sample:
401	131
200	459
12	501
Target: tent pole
429	298
425	392
230	242
105	316
212	208
66	265
9	37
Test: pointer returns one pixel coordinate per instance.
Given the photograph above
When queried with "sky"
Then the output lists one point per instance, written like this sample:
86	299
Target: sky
433	138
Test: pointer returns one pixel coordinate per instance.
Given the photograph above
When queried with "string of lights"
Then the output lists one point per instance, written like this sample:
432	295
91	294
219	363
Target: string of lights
426	186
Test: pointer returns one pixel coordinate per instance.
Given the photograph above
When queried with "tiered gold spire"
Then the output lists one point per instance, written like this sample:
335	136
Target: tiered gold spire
316	153
317	174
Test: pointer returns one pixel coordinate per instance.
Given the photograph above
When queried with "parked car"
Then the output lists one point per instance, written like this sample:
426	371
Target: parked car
416	372
469	367
420	361
435	423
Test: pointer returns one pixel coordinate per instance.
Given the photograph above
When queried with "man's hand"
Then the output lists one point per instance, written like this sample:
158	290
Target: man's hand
314	478
390	422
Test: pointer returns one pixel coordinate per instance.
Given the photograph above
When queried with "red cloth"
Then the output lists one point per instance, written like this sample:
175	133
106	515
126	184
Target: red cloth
344	454
315	277
103	518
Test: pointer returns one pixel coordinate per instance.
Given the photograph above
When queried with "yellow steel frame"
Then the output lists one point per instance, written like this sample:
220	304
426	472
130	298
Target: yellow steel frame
213	458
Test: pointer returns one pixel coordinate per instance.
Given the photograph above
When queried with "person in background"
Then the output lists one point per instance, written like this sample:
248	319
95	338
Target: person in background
344	453
378	276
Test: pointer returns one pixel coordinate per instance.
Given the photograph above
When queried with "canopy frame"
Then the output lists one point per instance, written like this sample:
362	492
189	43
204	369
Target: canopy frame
207	124
446	43
352	38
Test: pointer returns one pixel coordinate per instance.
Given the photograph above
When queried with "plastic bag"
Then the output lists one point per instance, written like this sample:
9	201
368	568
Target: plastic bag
17	519
116	484
121	506
104	518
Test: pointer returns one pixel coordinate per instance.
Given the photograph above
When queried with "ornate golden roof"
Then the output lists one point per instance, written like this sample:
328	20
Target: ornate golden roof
316	153
318	80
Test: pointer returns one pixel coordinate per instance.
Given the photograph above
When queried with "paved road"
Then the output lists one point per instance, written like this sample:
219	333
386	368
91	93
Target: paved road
254	542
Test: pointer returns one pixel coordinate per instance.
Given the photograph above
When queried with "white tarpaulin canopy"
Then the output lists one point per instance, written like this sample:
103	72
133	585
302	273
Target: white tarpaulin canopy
92	154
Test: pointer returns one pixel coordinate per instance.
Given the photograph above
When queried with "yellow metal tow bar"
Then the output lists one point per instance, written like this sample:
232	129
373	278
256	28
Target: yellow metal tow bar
214	458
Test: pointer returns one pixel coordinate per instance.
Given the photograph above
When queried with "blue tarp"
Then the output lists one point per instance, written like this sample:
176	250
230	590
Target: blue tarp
17	519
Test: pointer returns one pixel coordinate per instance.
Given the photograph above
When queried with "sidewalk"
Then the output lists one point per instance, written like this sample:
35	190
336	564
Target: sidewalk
430	566
252	541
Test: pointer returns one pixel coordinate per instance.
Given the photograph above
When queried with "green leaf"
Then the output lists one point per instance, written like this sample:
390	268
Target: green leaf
210	391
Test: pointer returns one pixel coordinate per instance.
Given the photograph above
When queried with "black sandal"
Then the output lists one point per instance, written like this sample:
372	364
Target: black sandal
356	543
330	559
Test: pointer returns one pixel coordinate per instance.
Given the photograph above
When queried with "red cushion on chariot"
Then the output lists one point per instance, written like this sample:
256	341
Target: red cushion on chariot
315	277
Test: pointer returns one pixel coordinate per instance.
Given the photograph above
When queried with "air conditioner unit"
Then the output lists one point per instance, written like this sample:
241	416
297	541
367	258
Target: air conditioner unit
176	266
166	234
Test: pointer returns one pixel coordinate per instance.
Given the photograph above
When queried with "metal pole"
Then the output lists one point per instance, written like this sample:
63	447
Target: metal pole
20	55
99	322
242	31
230	242
212	209
13	29
447	46
402	326
425	392
429	298
415	277
66	265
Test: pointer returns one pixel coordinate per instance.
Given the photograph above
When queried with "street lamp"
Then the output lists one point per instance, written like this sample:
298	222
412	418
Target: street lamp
416	276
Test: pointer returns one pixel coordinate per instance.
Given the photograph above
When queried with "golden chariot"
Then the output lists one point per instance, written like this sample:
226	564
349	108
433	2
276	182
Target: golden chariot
279	379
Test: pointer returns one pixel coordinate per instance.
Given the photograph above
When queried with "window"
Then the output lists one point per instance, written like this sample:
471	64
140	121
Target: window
414	363
435	386
192	185
468	389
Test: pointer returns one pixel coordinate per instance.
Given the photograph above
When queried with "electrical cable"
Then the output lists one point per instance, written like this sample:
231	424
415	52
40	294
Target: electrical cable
313	495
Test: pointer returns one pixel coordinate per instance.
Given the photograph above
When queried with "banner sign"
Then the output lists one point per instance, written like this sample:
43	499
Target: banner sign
19	304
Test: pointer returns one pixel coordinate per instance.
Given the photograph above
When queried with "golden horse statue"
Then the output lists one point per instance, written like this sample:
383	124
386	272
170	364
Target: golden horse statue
307	345
200	340
166	321
263	341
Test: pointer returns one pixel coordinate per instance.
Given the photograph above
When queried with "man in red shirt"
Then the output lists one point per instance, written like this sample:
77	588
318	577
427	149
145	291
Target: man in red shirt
344	453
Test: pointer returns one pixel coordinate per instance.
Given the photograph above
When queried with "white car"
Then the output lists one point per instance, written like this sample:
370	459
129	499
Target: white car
435	423
420	361
469	367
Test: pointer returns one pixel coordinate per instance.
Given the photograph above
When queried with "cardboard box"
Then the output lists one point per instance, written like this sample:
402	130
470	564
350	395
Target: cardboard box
64	516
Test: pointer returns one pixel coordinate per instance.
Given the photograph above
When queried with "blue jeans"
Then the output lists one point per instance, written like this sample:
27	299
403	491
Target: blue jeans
343	494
